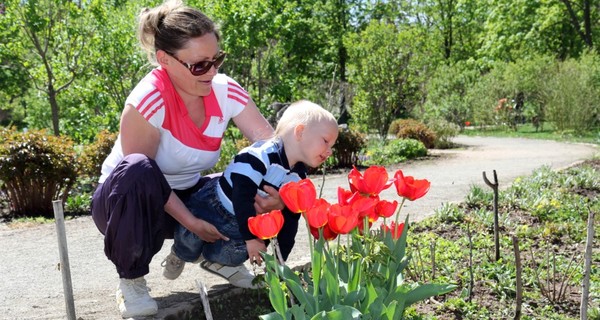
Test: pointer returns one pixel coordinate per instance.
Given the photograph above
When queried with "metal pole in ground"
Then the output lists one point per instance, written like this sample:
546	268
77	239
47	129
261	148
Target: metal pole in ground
65	268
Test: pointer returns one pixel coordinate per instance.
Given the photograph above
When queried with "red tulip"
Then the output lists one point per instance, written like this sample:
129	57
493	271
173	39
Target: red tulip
385	208
371	183
328	234
298	196
395	230
317	215
365	207
346	197
409	187
342	219
266	225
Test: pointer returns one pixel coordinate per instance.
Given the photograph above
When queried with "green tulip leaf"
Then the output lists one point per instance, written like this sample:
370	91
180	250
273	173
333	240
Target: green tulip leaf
272	316
297	312
339	313
426	291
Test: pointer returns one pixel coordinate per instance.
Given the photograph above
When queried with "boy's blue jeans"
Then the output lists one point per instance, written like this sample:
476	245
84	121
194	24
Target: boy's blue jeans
205	205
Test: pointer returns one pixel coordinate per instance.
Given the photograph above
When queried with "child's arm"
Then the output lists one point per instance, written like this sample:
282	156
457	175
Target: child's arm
244	190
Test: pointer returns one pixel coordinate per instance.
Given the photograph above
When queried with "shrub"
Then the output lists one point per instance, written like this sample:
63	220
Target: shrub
444	132
572	95
395	151
345	150
94	154
413	129
36	169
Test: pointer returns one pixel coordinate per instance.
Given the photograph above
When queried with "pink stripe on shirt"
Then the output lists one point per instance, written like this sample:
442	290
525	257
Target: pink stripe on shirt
144	105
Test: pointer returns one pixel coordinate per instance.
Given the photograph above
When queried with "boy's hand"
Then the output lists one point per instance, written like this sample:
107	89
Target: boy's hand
268	203
255	247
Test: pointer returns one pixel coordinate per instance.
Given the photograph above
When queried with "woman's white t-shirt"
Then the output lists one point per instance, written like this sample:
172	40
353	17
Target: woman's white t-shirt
184	149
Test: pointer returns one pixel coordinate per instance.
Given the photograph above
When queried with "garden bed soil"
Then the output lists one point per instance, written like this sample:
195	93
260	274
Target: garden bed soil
252	303
249	304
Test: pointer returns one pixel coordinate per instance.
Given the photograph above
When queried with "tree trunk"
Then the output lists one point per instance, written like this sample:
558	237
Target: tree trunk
54	107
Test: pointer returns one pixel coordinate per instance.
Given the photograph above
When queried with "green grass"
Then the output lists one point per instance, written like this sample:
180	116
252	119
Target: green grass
528	131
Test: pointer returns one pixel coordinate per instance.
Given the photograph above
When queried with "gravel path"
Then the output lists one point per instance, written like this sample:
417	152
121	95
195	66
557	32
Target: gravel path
31	285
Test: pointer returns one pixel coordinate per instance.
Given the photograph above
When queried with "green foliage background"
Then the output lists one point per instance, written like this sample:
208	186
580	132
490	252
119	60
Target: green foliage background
68	66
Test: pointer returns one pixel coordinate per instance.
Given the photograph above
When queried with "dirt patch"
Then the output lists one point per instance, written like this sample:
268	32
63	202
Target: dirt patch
239	304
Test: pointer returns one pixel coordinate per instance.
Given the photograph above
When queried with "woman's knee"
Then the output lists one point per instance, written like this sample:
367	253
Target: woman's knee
138	171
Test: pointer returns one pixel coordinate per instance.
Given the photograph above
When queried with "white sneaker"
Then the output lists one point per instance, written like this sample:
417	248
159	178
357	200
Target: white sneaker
238	276
172	266
134	300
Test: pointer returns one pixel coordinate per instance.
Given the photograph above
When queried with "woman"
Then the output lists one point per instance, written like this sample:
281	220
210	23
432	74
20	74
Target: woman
171	129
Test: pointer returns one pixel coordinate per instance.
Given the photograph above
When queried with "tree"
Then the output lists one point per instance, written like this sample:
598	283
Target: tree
285	50
581	19
447	92
386	74
55	34
13	75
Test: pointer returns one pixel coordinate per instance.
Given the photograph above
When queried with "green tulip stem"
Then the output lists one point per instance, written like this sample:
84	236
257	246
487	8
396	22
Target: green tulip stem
278	251
366	232
348	246
350	265
281	262
393	283
312	260
337	265
398	212
310	241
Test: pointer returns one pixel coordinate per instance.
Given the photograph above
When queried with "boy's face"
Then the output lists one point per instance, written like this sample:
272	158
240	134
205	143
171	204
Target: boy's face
315	142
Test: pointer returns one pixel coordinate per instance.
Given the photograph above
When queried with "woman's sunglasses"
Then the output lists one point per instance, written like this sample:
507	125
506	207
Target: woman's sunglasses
202	67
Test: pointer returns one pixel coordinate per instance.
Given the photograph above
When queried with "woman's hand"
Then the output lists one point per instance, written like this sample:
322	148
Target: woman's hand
271	202
206	231
255	247
201	228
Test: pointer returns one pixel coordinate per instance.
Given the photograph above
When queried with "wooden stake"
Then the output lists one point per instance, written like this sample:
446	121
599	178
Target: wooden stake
471	277
204	298
494	187
519	284
65	268
585	294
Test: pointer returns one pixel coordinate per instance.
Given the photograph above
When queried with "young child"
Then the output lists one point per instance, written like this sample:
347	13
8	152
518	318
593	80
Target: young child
303	138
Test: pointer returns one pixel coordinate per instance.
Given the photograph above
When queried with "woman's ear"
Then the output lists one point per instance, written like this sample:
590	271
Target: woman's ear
161	58
299	131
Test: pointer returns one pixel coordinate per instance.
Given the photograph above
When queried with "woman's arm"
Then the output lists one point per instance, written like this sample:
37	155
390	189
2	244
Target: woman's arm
255	127
252	124
137	134
180	212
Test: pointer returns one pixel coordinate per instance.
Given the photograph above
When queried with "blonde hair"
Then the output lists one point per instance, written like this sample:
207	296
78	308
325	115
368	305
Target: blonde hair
170	26
301	112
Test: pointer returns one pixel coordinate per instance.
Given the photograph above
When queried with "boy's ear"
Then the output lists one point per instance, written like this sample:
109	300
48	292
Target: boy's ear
299	131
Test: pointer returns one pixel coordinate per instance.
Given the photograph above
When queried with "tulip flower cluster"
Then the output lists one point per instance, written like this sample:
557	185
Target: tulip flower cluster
341	282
